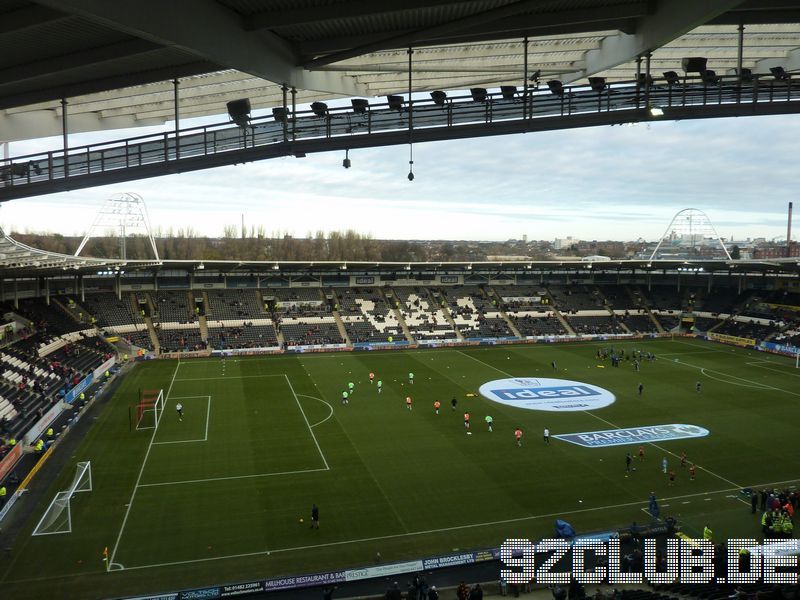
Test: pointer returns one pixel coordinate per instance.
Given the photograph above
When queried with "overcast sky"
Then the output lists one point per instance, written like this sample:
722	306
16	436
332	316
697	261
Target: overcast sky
601	183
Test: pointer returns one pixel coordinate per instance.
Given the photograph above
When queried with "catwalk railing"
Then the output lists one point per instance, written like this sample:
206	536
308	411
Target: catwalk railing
365	125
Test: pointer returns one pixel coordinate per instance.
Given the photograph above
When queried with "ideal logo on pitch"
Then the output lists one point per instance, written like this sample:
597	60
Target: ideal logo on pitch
561	391
540	393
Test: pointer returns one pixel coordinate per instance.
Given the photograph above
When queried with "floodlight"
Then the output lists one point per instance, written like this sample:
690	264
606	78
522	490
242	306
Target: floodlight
346	162
508	91
439	97
746	75
478	94
656	111
319	108
535	77
395	102
239	111
280	114
694	64
644	79
672	77
360	105
710	77
598	83
779	73
556	87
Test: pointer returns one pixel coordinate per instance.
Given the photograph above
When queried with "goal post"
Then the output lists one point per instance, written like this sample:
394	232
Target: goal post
146	414
58	516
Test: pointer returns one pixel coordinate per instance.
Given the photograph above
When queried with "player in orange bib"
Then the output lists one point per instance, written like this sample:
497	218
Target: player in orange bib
408	402
518	435
466	420
371	377
641	452
436	406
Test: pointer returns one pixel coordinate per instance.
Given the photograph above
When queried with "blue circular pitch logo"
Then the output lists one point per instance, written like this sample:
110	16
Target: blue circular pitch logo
554	395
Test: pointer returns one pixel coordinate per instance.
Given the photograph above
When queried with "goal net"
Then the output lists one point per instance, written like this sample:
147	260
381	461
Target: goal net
58	516
147	413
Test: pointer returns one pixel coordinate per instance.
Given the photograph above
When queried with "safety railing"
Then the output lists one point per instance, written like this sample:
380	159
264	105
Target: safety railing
364	119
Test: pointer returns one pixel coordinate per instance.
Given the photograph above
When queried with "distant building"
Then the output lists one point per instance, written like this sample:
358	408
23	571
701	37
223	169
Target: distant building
776	251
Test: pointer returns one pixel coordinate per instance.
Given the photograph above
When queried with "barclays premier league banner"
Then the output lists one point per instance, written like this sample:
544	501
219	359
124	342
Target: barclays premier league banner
633	435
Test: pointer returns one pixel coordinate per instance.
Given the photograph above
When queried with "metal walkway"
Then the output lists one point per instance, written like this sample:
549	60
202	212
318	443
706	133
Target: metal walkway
363	125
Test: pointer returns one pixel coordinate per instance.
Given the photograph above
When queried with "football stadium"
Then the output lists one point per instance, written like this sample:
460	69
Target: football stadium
217	425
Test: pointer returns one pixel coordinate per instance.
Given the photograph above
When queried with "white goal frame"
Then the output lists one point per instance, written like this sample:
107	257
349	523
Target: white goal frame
157	410
82	482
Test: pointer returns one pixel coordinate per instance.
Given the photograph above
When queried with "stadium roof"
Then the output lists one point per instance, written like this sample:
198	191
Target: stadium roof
114	61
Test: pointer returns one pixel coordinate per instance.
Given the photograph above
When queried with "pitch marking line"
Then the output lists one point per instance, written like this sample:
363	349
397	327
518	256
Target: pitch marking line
208	418
141	470
323	401
753	383
230	377
229	478
757	386
446	529
760	364
305	418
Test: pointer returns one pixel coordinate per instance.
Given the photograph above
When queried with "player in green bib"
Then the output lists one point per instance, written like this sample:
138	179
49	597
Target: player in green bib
350	387
345	397
411	379
489	421
380	386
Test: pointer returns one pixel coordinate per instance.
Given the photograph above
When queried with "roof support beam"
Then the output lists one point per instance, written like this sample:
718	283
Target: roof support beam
410	38
209	30
791	62
46	123
669	21
357	8
28	17
93	85
76	60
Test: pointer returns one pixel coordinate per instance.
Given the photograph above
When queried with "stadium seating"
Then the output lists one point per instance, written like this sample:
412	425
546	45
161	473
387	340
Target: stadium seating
247	335
367	317
172	307
594	325
180	340
745	329
424	319
475	313
110	312
310	331
573	298
530	310
49	320
234	304
638	323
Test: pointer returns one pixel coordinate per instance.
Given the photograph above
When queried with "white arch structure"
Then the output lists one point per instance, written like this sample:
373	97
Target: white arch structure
121	212
696	224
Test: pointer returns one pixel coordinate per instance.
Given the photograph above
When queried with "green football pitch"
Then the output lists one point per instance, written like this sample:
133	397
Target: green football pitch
224	494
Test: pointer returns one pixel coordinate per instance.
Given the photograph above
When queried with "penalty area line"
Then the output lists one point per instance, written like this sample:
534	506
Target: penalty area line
141	470
435	531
